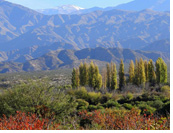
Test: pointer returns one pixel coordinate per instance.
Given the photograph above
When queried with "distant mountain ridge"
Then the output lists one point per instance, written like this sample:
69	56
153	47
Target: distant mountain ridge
138	5
161	45
32	52
135	5
36	51
71	58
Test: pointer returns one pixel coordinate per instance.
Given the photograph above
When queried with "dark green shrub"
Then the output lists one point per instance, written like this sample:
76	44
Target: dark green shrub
82	104
82	108
126	98
85	123
111	103
149	110
127	106
157	104
100	107
164	99
147	97
106	97
165	110
129	96
92	107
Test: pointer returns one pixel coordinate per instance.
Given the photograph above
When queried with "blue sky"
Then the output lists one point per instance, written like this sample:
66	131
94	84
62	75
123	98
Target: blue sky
42	4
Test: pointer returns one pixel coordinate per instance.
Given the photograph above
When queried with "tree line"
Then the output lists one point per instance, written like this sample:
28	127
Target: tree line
139	73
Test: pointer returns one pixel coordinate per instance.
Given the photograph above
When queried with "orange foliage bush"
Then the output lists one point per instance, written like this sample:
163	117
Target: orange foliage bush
21	121
126	121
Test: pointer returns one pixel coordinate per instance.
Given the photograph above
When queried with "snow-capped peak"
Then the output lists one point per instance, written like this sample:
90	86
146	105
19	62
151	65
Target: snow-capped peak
65	9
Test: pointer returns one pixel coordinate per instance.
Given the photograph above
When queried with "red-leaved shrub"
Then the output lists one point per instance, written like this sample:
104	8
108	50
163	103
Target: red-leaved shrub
21	121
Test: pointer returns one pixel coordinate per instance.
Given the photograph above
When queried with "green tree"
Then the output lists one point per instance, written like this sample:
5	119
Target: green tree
136	77
104	79
77	78
91	74
83	70
142	78
108	81
146	69
73	79
85	74
114	77
154	78
98	79
121	75
161	71
81	74
151	72
95	78
131	72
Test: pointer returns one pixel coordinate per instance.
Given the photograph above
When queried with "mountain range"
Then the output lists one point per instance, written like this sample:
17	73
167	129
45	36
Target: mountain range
135	5
31	41
71	58
21	27
36	51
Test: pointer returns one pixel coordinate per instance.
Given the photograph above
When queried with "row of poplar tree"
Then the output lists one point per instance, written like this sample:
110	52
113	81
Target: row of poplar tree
139	73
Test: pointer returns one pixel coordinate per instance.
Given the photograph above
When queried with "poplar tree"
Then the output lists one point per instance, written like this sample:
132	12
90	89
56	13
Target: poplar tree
81	75
161	71
151	72
121	75
97	81
73	79
146	69
114	77
108	81
112	68
136	77
83	69
131	72
77	78
91	74
142	78
154	79
95	78
104	79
